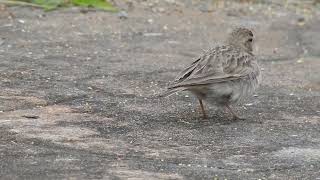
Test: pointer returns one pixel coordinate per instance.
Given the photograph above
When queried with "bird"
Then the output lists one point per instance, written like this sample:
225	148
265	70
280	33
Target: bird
222	76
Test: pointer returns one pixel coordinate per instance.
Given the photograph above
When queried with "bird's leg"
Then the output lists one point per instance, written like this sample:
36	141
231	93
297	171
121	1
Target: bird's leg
202	109
235	116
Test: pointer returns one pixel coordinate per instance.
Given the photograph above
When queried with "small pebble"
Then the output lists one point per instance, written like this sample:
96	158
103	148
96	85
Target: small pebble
21	21
161	9
1	41
152	34
123	15
300	60
150	21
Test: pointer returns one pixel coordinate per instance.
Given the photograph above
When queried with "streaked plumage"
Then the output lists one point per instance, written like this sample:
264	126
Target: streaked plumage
223	75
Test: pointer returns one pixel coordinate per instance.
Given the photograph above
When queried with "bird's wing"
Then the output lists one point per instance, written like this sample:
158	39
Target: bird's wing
200	65
187	72
218	65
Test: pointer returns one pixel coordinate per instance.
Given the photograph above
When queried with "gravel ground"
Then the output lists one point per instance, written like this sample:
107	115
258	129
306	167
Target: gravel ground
76	88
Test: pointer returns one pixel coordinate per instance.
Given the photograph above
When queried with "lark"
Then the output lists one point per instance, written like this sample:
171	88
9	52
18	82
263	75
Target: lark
222	76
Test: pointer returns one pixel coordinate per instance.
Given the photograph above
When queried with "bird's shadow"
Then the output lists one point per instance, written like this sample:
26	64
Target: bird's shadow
215	118
195	119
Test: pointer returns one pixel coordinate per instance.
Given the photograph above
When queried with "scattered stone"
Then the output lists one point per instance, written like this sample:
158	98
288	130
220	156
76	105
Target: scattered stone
161	9
165	27
152	34
301	21
205	8
1	41
150	21
123	15
170	1
30	116
21	21
300	60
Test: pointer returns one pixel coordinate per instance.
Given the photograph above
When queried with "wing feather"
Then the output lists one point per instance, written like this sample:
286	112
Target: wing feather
221	64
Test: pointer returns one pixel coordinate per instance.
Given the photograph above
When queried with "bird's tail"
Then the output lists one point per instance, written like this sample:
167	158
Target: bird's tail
169	92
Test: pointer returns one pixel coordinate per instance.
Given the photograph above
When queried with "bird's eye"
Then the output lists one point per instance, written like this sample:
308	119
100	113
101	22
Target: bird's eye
250	40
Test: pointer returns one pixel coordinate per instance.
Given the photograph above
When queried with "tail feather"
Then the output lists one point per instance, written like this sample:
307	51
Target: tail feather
169	92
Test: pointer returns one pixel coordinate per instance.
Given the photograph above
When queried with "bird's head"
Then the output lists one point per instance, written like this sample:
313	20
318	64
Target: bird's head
242	38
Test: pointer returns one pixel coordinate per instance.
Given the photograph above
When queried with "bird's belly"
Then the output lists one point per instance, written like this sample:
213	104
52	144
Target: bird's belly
231	92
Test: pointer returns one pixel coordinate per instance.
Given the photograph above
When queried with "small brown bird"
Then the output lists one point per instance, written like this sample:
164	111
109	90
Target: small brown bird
224	75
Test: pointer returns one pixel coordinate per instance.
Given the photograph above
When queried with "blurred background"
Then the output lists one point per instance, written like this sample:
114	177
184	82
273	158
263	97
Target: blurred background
203	5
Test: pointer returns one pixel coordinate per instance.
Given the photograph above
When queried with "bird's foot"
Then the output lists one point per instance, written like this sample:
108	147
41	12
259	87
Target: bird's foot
204	114
205	117
235	116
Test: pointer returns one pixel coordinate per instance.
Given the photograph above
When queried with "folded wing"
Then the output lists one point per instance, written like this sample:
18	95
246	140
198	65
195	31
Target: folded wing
221	64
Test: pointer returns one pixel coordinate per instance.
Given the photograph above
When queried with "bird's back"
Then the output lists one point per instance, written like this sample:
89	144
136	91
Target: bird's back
222	63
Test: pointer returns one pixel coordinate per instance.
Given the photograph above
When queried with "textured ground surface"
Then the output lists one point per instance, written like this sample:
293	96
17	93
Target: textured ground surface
75	91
